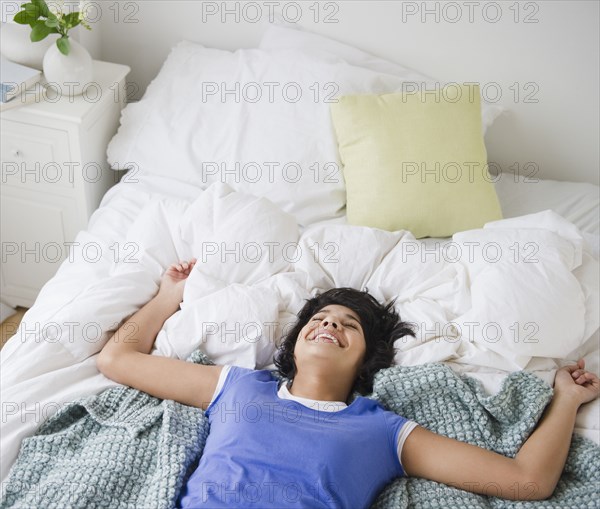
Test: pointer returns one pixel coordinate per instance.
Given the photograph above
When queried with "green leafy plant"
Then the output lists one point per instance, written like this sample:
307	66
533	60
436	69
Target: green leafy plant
44	21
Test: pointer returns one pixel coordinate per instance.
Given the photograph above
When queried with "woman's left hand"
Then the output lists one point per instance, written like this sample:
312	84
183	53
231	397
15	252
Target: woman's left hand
575	381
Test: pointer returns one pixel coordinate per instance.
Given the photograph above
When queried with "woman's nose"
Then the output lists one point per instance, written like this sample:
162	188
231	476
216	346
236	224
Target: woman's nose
330	322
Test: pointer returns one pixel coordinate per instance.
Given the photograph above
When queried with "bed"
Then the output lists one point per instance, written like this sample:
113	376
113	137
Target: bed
266	247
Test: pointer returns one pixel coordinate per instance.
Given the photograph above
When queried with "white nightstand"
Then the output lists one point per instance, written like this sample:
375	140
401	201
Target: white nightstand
54	174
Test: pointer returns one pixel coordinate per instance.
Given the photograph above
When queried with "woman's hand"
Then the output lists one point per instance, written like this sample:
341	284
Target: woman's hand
173	281
576	382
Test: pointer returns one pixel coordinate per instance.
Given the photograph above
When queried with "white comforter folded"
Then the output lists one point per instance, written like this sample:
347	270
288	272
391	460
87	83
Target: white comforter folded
519	293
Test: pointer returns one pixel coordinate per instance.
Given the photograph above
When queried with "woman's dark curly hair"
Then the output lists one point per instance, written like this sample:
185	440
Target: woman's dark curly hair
381	326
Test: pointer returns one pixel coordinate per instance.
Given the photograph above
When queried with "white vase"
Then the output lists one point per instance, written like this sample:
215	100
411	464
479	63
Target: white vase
16	45
68	74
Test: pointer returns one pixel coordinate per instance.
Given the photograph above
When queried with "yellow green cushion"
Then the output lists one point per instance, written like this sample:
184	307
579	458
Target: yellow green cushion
414	161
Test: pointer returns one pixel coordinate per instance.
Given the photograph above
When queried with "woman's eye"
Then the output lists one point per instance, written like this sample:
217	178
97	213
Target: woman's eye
316	318
350	325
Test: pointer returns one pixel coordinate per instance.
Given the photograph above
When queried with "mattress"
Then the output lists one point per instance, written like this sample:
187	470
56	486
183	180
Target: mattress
51	359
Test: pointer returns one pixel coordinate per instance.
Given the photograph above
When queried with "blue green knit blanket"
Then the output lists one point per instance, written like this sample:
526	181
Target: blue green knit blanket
126	449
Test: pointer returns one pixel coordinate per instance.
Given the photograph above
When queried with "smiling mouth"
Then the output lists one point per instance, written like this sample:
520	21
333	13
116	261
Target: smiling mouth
325	337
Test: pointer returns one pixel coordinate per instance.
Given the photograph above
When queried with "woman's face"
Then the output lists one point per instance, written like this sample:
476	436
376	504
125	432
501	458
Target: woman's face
334	334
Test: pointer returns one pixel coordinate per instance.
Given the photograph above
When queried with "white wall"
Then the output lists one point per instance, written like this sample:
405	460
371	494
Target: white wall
546	51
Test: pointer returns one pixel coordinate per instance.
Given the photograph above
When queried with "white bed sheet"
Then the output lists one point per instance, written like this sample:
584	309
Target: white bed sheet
41	375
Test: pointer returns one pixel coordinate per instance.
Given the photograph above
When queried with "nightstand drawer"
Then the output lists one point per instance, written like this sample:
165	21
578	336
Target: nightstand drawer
34	156
36	228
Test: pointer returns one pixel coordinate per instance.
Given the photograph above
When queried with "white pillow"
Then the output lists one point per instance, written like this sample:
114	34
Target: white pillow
188	128
257	120
576	201
284	37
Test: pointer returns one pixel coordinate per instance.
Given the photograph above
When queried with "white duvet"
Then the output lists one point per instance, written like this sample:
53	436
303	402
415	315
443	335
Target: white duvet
521	293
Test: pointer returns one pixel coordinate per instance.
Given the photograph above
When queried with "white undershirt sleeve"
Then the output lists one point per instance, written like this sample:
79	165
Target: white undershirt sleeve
220	383
404	432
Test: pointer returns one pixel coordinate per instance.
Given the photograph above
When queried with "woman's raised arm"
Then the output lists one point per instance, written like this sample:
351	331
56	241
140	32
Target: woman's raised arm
535	470
126	356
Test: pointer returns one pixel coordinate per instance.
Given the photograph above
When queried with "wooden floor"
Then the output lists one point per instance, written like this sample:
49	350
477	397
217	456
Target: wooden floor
9	326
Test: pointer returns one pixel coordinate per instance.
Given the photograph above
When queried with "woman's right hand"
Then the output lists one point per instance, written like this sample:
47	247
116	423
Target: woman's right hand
173	280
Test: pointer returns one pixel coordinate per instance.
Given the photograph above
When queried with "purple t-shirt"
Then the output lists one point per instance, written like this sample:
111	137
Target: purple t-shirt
263	451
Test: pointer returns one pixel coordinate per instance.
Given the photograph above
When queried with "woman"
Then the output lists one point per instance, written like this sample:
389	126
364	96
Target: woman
301	445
